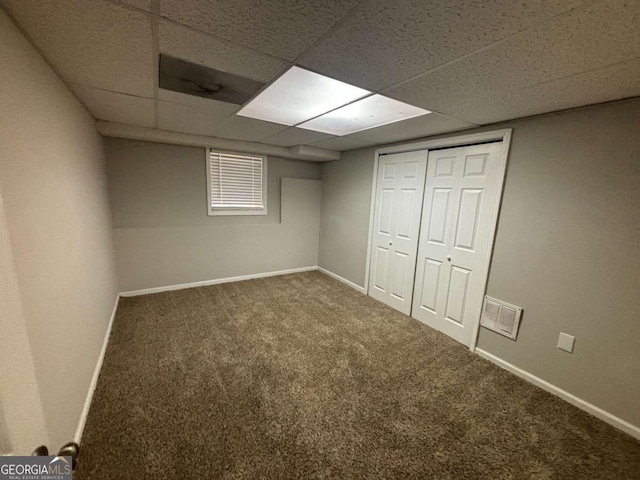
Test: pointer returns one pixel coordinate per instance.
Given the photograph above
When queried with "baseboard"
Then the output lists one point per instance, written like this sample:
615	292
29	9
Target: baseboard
168	288
342	279
96	374
611	419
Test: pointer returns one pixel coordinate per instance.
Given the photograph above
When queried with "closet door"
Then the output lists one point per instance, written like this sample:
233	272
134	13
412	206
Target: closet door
398	203
460	202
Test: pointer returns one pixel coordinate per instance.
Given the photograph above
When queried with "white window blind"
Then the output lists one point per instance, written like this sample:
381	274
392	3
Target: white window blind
236	183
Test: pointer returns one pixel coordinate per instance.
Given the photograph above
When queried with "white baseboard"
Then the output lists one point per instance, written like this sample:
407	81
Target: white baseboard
611	419
96	374
168	288
342	279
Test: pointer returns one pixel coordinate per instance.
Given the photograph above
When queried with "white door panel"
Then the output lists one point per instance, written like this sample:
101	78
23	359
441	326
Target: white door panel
380	271
467	225
386	211
398	275
431	281
457	294
437	226
398	205
461	188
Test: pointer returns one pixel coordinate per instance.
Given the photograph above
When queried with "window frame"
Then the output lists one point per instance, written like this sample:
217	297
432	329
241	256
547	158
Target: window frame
233	211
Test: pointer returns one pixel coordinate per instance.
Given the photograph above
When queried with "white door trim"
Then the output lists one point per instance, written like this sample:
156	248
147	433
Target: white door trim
503	135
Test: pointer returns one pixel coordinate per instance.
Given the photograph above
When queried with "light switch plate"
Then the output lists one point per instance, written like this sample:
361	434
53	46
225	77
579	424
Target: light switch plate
566	342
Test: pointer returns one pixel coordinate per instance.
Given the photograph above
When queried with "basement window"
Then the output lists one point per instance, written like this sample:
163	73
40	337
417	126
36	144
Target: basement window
237	183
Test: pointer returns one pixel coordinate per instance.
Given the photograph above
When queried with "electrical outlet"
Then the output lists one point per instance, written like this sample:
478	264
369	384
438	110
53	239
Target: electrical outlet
566	342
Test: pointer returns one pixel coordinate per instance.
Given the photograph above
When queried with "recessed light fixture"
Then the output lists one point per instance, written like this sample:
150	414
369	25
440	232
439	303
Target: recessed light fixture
373	111
299	95
315	102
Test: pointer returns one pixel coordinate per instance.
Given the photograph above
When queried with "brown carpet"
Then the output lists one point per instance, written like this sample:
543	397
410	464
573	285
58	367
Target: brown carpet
299	376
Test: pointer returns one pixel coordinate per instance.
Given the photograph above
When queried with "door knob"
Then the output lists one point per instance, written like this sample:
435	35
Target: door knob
448	258
390	243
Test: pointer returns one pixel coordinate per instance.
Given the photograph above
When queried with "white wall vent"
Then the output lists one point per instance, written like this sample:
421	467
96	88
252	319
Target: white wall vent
501	317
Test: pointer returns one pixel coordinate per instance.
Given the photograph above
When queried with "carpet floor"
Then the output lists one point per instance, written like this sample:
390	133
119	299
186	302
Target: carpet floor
300	376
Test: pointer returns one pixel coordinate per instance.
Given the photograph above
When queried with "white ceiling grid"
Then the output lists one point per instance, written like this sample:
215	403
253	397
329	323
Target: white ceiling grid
472	62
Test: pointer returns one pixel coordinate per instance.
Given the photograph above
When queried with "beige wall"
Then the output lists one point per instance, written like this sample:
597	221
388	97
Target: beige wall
22	426
5	443
346	197
565	250
53	183
163	235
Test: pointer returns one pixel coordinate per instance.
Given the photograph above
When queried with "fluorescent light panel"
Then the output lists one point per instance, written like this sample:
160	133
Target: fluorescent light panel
370	112
299	95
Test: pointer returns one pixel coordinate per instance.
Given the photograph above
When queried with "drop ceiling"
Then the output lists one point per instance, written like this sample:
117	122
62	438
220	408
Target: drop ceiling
470	62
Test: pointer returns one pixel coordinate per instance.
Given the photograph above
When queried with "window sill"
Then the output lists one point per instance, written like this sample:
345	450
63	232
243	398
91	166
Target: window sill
226	213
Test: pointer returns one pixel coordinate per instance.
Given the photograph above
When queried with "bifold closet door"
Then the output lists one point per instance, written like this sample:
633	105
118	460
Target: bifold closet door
461	191
398	204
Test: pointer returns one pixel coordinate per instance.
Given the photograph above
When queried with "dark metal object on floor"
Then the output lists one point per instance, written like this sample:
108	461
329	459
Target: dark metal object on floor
71	449
41	451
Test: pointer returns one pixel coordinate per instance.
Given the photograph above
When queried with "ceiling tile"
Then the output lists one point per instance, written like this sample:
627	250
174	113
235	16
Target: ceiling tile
383	43
585	39
198	102
99	44
609	83
248	129
295	136
190	119
424	126
188	44
342	143
116	107
284	28
141	4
